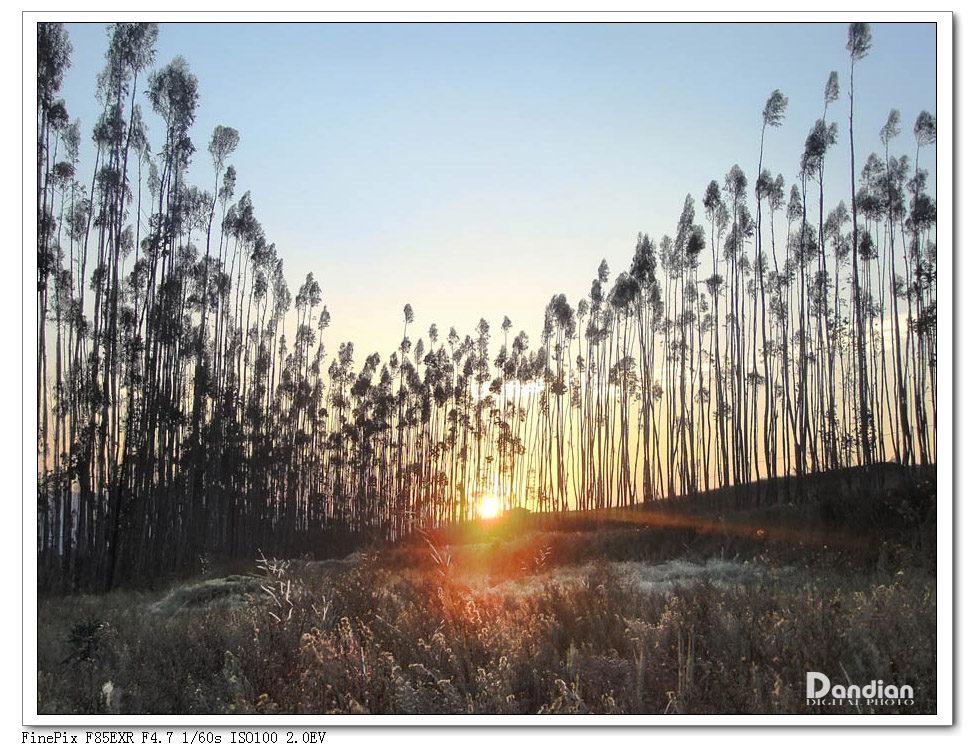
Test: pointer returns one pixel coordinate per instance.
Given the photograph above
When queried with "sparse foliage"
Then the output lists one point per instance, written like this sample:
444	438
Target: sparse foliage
191	406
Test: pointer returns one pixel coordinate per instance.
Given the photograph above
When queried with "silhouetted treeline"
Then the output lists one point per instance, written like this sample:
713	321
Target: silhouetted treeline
186	404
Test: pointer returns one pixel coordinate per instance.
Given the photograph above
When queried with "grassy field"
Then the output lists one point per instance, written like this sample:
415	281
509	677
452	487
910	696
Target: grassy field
685	608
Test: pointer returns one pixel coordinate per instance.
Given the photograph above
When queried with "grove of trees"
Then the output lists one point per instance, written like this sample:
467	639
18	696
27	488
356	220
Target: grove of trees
187	403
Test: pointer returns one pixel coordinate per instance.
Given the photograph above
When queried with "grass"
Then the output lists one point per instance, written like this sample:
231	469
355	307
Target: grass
622	617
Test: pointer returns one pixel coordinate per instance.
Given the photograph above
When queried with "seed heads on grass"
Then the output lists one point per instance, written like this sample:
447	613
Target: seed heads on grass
538	561
441	556
274	567
277	587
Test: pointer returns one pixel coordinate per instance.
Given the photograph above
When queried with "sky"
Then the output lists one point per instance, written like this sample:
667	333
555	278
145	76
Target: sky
474	170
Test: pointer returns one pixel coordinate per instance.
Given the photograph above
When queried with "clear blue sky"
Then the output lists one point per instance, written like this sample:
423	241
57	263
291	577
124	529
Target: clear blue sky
475	170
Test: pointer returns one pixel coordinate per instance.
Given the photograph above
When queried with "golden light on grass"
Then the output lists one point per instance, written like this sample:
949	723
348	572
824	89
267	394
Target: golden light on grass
490	506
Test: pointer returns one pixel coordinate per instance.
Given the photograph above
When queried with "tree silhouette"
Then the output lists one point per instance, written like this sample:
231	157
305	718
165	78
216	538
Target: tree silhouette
858	44
187	406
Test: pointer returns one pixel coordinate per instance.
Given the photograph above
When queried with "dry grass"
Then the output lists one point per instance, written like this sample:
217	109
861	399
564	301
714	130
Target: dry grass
519	626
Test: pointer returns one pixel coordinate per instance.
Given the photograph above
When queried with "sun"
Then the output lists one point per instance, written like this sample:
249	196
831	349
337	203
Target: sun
490	506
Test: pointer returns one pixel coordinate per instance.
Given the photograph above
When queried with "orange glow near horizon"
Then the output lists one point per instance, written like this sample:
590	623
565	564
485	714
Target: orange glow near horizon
490	506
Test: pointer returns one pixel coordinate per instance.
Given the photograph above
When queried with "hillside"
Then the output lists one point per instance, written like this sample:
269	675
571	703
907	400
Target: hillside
638	611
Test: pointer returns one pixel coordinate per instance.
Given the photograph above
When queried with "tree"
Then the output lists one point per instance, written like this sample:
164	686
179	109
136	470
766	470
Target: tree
922	315
858	44
53	59
772	116
185	411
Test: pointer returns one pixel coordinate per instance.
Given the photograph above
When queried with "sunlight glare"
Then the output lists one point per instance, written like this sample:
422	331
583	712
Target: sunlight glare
490	506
